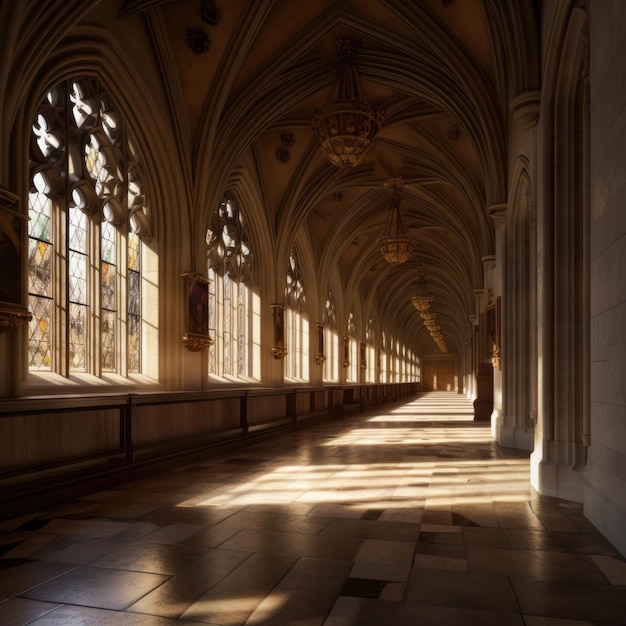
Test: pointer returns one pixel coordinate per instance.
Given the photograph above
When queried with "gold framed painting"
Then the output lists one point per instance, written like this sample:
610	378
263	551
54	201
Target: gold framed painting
196	335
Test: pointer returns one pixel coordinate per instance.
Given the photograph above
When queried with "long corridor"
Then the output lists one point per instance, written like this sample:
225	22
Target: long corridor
408	516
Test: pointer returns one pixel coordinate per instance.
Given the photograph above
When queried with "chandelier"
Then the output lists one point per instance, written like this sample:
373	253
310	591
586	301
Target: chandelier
396	243
348	123
422	300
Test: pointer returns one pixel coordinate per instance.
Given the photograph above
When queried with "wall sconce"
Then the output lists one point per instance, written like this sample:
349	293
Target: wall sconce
320	357
278	350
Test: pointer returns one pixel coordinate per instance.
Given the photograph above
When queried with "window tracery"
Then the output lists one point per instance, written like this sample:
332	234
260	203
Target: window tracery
234	315
87	221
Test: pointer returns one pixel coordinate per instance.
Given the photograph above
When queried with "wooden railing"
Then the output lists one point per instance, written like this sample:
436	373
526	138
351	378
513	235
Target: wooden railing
62	447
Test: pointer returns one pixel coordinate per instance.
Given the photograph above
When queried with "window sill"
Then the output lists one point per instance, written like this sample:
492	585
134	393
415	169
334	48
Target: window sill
50	383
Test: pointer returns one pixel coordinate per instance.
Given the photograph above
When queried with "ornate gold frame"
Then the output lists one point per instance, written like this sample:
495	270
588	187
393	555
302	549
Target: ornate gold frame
196	335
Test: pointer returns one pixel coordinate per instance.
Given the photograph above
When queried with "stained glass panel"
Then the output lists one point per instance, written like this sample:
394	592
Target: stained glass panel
213	321
107	341
108	287
134	303
134	293
40	213
107	235
78	337
242	335
78	230
134	344
39	334
227	326
39	268
78	277
134	256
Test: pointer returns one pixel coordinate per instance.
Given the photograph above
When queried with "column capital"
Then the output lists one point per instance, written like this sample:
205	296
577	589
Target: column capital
489	262
525	108
497	212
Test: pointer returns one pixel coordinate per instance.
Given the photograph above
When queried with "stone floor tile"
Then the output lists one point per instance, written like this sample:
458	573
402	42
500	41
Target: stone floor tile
28	574
86	527
378	529
535	564
235	598
485	537
86	551
124	510
173	533
454	551
594	602
140	556
368	612
388	552
38	545
97	587
439	528
434	517
411	515
279	521
20	611
320	575
349	610
292	606
559	523
85	616
534	620
380	571
613	568
297	544
583	543
195	515
433	561
393	592
174	597
329	509
461	590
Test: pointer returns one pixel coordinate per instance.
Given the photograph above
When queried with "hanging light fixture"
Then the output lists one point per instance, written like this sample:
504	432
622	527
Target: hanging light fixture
348	123
422	300
396	243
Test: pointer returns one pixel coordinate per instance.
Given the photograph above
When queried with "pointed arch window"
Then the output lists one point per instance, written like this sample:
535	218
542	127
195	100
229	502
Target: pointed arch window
370	349
352	371
382	358
234	304
331	340
88	231
296	324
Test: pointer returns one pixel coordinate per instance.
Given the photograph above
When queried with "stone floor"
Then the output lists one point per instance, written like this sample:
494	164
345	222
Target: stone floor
408	516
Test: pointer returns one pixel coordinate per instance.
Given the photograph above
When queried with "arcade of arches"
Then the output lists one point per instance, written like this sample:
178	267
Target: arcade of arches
182	267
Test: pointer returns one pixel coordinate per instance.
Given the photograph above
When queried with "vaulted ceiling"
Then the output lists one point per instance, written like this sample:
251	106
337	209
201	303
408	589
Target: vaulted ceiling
445	72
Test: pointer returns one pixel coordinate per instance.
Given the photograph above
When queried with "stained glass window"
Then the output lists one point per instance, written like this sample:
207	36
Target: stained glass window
331	340
370	340
134	303
353	358
40	275
296	323
233	302
87	221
